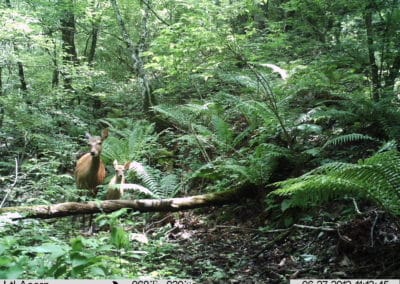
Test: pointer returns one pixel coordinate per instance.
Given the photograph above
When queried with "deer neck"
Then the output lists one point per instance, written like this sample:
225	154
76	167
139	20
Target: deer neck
95	164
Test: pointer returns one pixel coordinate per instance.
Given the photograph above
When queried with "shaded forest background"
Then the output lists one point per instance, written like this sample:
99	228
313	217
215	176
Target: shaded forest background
295	101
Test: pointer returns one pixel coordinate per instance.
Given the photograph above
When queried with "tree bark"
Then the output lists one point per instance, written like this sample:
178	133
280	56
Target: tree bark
93	43
1	94
135	51
94	33
1	81
21	75
374	71
68	31
141	205
393	72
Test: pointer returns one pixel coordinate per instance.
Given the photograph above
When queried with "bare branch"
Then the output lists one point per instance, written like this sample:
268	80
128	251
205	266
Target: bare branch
141	205
14	183
155	13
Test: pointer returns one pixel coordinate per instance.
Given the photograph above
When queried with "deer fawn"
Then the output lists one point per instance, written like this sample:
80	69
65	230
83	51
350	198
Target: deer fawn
118	179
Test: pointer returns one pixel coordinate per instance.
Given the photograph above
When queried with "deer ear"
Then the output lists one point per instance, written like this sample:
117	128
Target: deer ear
127	165
104	134
115	163
87	135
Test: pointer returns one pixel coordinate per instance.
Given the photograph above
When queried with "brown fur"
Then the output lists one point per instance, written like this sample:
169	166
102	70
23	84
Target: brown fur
118	179
90	170
89	173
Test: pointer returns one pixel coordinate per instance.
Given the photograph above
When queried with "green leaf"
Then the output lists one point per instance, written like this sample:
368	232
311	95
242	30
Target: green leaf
54	249
14	272
5	260
286	204
119	237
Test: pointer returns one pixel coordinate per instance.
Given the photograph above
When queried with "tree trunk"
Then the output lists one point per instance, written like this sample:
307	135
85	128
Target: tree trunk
55	80
1	81
68	31
374	72
93	43
94	34
136	51
393	72
1	94
141	205
21	75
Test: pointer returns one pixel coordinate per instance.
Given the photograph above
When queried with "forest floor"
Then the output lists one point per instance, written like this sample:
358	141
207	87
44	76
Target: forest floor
236	250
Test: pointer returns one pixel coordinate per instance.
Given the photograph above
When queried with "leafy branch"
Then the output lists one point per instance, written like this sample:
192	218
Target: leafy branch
268	93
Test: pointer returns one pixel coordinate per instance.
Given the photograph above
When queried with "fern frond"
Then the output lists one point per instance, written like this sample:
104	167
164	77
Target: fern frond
317	189
347	138
170	185
146	177
139	188
322	114
388	146
239	79
176	115
376	178
223	132
135	143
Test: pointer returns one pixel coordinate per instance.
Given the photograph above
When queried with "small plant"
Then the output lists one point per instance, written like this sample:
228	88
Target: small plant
376	178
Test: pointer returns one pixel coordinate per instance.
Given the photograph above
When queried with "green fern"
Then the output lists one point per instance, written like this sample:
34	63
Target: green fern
135	143
323	113
347	138
147	179
152	183
211	128
255	168
376	178
183	117
170	185
224	134
240	79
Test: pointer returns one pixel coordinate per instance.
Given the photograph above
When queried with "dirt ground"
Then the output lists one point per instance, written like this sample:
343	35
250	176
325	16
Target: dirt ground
227	245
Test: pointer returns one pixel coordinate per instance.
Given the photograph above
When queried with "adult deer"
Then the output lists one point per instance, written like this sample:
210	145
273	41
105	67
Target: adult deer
90	170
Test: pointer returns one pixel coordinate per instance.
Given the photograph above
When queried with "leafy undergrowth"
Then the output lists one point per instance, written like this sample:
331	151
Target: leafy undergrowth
228	245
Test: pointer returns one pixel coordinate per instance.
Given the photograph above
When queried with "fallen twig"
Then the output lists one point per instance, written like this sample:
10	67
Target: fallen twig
13	184
373	228
326	229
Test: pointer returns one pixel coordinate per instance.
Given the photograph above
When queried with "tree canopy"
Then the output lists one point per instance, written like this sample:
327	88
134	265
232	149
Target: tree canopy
285	108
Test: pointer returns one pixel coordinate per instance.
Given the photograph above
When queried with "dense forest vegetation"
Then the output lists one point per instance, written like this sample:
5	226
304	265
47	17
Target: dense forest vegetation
279	118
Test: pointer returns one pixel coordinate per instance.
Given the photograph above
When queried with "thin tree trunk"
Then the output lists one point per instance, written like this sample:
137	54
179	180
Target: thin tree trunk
21	75
374	72
55	80
93	43
135	51
147	94
393	71
1	81
94	34
1	94
68	31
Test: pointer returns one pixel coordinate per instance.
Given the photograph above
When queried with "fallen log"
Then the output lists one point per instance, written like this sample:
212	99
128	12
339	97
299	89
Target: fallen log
141	205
